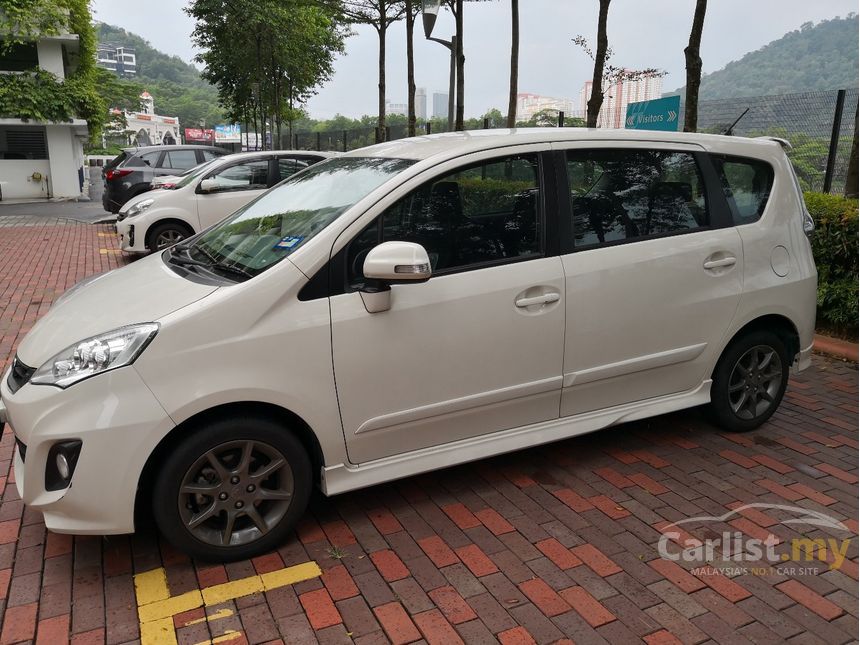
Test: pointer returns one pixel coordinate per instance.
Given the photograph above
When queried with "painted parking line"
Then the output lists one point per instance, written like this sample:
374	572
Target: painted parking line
110	251
156	607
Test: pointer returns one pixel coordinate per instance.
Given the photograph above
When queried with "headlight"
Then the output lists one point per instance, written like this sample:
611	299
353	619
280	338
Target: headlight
95	355
140	207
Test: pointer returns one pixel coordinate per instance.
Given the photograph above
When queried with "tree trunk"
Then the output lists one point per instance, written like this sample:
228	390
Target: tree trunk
515	57
380	123
694	68
410	71
596	100
461	63
851	179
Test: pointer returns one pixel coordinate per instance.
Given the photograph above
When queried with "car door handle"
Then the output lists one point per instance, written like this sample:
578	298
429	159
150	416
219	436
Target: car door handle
722	262
544	299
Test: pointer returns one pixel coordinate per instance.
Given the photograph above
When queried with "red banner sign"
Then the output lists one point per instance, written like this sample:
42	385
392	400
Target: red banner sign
199	134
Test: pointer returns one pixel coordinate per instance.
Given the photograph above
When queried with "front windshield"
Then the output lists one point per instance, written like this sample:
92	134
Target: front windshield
275	224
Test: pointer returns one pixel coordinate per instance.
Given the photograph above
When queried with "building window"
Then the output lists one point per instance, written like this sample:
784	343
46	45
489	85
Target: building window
23	143
19	58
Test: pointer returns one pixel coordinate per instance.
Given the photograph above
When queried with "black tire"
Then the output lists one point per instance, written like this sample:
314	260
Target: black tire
189	467
746	390
158	233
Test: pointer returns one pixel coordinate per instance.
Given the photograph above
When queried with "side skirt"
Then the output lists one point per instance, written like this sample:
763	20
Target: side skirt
346	477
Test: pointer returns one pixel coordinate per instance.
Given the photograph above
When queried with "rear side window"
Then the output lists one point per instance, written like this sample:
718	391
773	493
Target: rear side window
622	195
149	159
181	159
746	184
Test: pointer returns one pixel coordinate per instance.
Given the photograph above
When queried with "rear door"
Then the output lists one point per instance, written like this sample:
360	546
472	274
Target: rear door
653	268
237	184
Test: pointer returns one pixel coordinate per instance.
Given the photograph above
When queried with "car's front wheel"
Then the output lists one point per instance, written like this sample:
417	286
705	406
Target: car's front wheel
749	381
167	234
233	490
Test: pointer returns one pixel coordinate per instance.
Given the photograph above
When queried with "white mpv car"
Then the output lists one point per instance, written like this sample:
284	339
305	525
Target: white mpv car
204	196
407	307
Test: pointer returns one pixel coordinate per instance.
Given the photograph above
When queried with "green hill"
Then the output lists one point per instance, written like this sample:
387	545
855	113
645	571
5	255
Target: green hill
819	56
175	85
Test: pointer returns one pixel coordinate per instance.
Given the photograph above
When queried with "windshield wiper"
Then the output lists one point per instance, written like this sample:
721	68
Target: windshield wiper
231	268
211	264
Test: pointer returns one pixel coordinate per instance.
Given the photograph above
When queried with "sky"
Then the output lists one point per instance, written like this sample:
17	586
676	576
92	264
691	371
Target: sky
642	34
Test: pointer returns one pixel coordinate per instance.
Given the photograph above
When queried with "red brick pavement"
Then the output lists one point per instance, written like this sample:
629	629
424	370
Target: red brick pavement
557	542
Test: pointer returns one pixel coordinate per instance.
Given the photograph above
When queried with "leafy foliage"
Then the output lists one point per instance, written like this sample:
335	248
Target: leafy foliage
834	245
37	94
814	57
266	58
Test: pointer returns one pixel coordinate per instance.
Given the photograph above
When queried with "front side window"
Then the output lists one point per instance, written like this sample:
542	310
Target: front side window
181	159
623	195
486	212
278	222
746	185
248	175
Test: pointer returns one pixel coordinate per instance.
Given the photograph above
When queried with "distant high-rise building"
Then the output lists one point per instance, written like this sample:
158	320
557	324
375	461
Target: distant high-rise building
421	103
119	59
396	108
440	104
616	97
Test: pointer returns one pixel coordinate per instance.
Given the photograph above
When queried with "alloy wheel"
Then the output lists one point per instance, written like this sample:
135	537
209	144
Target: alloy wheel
235	493
755	382
168	238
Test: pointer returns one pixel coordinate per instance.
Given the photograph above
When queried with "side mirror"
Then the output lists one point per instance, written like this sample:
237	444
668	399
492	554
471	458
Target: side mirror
209	185
392	263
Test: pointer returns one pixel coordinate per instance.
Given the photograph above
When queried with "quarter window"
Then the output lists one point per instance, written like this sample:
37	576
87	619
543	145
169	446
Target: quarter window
487	212
150	159
624	195
746	184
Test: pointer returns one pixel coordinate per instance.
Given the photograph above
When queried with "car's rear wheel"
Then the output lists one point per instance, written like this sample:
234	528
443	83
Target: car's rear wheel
166	234
749	381
233	490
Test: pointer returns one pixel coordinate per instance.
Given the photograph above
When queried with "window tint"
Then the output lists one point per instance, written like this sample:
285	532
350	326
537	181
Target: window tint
249	175
150	159
481	213
619	195
288	167
746	184
181	159
208	155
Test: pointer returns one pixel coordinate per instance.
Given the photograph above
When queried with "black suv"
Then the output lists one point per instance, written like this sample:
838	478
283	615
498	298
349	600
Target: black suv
132	172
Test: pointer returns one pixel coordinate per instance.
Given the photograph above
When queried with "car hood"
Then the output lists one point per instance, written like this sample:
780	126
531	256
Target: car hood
141	292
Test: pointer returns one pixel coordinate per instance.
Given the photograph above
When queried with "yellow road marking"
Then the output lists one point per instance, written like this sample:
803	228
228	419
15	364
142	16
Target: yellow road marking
106	234
106	251
156	607
221	613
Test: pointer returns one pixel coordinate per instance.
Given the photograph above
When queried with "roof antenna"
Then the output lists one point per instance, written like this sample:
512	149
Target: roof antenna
728	131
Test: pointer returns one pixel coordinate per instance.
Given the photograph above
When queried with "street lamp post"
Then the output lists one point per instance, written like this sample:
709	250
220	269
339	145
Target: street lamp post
429	13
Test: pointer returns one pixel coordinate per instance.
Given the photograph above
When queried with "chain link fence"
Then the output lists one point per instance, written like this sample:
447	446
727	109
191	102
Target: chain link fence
819	130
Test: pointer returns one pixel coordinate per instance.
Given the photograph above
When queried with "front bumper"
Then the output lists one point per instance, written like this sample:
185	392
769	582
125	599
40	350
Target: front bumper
119	422
802	361
131	235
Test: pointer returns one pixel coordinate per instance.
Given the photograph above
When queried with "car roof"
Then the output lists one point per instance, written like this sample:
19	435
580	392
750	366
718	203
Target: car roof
238	156
455	144
178	146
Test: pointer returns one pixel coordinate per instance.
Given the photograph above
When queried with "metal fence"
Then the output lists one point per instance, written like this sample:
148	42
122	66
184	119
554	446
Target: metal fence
819	125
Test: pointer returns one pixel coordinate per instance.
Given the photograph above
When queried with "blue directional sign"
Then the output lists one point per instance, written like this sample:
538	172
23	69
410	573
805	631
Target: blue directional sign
659	114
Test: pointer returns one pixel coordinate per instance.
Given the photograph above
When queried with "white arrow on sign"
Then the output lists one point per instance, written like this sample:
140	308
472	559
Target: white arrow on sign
672	115
630	120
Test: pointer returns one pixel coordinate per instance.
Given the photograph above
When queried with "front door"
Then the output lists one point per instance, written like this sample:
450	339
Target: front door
654	273
477	348
236	185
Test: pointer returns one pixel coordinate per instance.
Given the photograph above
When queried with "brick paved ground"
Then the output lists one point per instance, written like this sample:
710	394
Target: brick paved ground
551	543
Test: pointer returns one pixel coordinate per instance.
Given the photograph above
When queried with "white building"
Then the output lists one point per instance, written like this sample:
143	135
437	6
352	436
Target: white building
616	97
119	59
530	104
421	102
41	160
146	128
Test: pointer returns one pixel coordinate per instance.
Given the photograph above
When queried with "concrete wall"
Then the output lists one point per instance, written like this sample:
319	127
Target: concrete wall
51	57
65	154
16	178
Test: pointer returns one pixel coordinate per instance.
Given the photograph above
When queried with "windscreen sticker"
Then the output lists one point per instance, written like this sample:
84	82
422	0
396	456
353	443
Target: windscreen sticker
289	242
